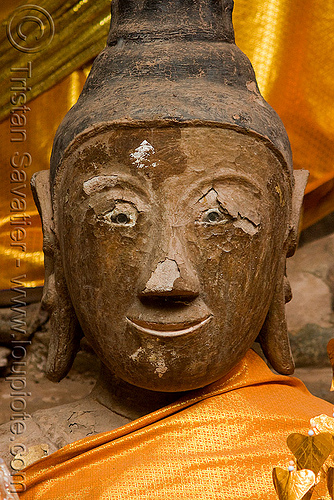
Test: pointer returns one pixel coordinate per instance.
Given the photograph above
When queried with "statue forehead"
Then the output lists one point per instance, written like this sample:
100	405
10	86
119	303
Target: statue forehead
154	152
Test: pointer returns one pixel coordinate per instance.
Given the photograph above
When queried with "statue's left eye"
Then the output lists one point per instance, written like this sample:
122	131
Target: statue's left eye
213	216
121	218
123	214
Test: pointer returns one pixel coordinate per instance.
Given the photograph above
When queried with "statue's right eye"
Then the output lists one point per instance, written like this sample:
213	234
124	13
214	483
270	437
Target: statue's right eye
123	214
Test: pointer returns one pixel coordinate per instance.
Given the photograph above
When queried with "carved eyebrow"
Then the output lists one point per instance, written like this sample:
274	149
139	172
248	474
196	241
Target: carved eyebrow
242	180
98	183
204	185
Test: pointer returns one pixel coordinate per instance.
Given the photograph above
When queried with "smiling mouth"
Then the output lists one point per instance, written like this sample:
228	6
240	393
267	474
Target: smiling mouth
169	329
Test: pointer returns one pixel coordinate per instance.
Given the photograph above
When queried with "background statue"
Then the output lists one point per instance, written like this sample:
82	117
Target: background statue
168	213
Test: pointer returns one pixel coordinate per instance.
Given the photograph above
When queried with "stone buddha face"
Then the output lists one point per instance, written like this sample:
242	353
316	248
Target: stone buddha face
171	243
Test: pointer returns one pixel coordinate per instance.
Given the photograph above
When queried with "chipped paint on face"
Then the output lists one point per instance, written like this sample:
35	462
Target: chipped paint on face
156	359
163	277
107	267
141	155
227	207
98	183
159	363
137	354
209	198
246	225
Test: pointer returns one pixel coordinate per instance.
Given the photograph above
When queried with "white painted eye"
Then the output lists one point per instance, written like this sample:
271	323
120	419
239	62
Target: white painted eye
124	214
213	216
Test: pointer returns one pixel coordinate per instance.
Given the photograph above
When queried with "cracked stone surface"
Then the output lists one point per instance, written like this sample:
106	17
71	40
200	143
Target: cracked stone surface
310	320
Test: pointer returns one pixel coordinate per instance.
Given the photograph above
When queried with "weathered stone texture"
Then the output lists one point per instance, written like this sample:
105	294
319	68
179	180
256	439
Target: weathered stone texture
310	314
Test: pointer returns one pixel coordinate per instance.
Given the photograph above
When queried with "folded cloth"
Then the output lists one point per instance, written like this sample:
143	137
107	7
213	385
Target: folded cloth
219	442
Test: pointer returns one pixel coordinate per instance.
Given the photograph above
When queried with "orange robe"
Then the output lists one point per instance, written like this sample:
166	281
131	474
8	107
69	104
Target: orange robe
219	442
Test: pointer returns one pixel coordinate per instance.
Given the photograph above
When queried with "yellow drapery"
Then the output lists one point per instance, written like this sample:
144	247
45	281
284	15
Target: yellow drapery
219	442
291	45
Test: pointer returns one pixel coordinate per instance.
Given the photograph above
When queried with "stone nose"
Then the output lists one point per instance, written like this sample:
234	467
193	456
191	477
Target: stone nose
171	280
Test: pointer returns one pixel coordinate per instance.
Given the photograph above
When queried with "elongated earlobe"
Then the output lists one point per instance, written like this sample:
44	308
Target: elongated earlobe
274	337
65	330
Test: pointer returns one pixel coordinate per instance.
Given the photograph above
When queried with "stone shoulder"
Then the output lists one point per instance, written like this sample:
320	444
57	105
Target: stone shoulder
25	441
17	437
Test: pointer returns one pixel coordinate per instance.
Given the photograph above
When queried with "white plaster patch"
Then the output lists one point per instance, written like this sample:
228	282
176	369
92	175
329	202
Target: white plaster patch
164	276
142	155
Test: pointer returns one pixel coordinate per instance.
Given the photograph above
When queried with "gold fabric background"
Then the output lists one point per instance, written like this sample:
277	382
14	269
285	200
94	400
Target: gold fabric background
291	46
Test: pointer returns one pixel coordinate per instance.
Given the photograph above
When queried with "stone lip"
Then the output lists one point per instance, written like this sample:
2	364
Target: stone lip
168	330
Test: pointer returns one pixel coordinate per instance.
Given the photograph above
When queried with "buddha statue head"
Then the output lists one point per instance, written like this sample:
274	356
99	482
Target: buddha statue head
171	205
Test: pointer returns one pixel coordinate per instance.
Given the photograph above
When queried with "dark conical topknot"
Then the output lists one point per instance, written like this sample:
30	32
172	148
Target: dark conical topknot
172	62
149	20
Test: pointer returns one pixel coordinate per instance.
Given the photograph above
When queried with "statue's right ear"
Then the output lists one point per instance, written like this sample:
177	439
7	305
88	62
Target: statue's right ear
65	329
40	186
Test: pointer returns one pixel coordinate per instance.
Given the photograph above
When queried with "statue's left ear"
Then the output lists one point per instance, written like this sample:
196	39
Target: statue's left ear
64	326
274	337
